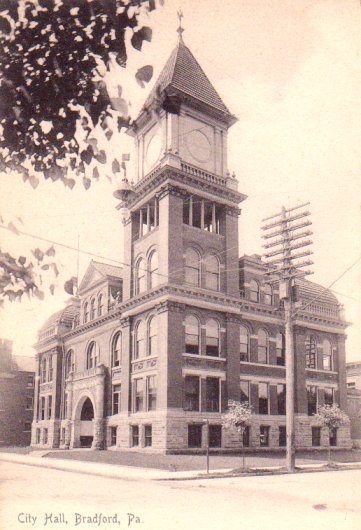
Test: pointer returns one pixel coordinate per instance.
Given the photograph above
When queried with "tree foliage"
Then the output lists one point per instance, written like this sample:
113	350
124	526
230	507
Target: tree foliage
54	56
331	416
237	415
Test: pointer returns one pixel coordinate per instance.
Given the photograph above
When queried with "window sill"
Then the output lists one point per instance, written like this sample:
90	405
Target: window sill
321	371
145	358
262	364
199	229
198	356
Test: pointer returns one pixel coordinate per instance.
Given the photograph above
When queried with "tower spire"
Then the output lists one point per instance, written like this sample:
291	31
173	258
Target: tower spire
180	28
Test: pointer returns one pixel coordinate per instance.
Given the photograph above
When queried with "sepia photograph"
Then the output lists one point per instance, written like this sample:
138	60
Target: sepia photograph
180	264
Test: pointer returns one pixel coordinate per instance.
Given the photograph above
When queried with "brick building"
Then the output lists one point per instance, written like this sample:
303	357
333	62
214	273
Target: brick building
145	353
353	373
17	382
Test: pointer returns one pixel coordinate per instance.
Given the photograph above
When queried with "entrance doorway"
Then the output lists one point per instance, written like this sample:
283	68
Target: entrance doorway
86	424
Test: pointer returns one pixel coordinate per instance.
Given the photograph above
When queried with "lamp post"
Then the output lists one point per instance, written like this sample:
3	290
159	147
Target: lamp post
206	421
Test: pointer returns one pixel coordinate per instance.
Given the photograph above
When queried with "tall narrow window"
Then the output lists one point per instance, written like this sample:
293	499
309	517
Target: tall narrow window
329	396
264	435
191	392
213	394
116	393
50	368
212	273
281	399
69	365
86	312
91	358
92	309
192	267
147	436
262	346
254	291
152	336
310	352
280	349
43	370
267	294
244	398
42	409
100	305
244	343
153	269
50	405
263	400
311	400
139	340
191	334
139	395
140	277
116	349
135	435
212	338
327	355
152	392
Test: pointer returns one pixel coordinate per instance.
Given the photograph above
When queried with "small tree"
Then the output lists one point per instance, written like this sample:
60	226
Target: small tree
237	418
331	417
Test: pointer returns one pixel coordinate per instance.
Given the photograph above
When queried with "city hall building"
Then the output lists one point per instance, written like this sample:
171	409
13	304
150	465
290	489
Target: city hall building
144	354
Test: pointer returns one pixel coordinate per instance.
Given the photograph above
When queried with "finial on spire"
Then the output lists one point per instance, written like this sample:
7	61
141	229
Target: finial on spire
180	29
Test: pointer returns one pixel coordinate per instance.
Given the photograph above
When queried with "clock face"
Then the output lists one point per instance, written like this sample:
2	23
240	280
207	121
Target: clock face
198	145
154	149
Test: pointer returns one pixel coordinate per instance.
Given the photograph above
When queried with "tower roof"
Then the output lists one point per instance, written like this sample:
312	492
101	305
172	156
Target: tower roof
183	73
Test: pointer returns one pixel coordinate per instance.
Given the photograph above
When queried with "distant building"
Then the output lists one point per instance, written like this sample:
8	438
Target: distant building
145	353
17	381
353	373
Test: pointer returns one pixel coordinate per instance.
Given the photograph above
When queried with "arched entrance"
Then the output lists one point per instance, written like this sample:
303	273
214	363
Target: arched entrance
84	416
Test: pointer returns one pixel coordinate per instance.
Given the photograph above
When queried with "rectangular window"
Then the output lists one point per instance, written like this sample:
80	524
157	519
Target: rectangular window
196	212
116	393
152	392
135	435
280	349
42	409
62	436
113	436
192	341
31	380
281	399
139	394
50	375
264	436
246	436
311	400
147	435
328	396
244	392
333	438
191	392
37	436
282	436
29	403
212	394
186	208
27	426
50	403
215	436
194	435
45	436
316	436
65	406
263	401
327	361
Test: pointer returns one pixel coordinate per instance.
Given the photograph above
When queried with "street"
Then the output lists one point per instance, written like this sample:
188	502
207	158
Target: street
32	497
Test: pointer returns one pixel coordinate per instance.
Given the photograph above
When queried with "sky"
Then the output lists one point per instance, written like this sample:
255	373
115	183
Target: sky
290	72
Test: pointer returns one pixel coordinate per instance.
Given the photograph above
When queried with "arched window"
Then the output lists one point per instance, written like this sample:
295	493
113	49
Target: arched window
100	305
140	277
191	334
139	341
262	346
86	312
192	267
254	291
212	272
212	338
43	370
92	309
92	356
280	349
116	349
267	294
327	355
244	343
153	269
69	363
310	352
152	336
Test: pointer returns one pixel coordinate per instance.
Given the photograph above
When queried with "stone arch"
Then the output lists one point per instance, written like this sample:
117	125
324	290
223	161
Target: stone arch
79	406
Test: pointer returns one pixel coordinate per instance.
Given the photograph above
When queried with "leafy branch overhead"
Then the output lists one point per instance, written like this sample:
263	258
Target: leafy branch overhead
54	56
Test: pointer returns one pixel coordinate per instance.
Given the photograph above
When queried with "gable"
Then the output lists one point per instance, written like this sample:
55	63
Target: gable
91	278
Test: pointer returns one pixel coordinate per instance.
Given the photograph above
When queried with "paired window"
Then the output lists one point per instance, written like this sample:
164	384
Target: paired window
327	355
192	336
146	273
148	217
192	393
254	291
116	395
262	349
69	363
201	213
116	349
244	343
92	356
311	352
145	394
146	345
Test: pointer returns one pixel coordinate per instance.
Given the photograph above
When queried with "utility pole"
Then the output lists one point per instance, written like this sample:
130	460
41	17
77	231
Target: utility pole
284	235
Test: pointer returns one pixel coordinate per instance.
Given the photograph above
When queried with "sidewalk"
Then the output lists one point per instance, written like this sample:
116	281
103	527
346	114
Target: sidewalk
137	473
